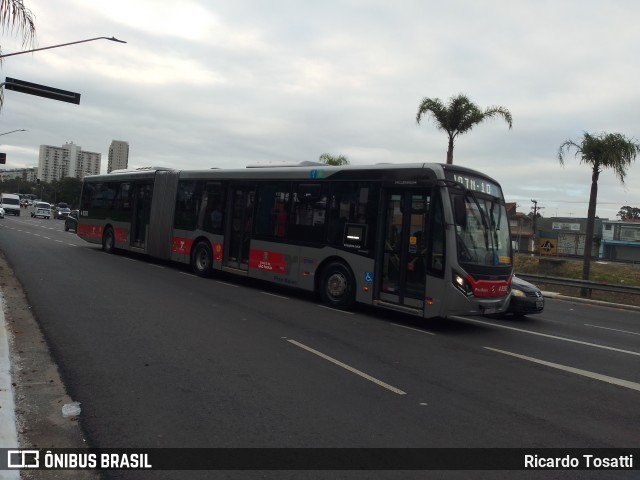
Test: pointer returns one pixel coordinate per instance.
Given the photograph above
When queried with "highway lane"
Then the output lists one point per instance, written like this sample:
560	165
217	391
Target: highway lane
159	357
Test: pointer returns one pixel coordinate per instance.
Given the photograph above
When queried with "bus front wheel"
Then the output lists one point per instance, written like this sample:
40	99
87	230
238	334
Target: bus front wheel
108	242
337	286
202	259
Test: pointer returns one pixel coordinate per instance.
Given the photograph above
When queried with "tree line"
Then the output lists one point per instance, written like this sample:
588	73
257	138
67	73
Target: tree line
64	190
629	213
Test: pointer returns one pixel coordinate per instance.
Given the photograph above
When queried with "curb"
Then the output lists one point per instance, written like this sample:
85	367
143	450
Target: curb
8	424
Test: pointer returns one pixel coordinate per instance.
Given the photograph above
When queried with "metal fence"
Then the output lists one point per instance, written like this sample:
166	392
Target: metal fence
570	282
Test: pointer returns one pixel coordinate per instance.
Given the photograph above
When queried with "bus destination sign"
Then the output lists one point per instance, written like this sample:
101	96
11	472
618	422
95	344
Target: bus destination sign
475	184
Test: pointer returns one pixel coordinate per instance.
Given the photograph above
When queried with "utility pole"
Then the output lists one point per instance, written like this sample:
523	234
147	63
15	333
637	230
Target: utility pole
535	210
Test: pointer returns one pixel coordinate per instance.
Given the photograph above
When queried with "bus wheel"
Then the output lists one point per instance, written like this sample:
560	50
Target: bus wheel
202	259
108	242
337	286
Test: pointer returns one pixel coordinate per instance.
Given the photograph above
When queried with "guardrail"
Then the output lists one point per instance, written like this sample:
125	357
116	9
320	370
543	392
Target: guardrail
570	282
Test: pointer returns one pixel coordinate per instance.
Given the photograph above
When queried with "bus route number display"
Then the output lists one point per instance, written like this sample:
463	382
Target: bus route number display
476	184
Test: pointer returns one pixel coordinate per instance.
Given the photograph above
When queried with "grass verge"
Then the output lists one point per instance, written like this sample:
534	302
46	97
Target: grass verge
601	271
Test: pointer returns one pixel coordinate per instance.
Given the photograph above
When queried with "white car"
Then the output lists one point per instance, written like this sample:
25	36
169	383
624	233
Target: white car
41	209
1	212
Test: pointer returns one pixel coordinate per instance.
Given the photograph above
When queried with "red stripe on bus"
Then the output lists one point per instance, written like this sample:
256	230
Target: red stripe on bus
488	288
181	246
90	231
120	235
270	261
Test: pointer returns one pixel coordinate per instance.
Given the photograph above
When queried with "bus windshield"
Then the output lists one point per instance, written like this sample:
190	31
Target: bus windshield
482	231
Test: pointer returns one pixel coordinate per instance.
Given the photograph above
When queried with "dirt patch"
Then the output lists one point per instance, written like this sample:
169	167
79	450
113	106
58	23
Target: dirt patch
39	393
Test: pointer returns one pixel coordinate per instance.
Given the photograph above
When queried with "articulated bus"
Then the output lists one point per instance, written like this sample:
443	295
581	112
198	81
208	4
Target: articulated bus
426	239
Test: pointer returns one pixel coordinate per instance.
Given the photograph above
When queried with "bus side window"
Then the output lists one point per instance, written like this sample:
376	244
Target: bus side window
187	205
351	203
308	212
122	202
100	199
212	208
272	217
280	219
88	193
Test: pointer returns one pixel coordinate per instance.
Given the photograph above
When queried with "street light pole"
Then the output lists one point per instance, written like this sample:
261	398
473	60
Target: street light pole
3	156
113	39
19	130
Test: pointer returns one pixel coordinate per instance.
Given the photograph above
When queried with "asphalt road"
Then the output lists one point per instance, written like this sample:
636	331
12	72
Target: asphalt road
161	358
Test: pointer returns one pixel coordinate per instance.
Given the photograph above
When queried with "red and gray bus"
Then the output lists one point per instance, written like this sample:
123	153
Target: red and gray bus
426	239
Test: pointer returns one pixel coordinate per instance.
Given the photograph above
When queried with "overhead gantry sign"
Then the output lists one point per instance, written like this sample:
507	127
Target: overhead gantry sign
41	90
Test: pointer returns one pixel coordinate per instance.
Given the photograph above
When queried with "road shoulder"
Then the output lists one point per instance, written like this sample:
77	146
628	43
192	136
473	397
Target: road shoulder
39	392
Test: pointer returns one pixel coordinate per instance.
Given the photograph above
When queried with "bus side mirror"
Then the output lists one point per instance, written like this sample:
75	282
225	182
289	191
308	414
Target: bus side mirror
460	211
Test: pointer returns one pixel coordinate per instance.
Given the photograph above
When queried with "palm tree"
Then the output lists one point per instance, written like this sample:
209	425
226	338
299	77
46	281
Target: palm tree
607	150
333	160
458	117
14	15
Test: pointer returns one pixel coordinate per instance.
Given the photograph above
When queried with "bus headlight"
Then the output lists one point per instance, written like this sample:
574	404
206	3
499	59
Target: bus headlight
461	283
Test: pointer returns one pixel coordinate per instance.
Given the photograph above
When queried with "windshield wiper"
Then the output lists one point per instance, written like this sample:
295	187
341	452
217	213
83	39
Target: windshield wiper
485	225
495	226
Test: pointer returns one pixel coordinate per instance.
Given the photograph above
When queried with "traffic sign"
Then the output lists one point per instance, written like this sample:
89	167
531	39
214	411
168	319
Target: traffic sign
548	246
41	90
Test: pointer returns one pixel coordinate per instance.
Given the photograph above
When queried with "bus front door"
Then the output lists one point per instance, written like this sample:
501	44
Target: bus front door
403	275
242	207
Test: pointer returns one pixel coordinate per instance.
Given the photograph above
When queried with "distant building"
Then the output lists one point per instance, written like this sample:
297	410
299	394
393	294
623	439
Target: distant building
566	236
118	156
27	174
69	160
521	225
620	240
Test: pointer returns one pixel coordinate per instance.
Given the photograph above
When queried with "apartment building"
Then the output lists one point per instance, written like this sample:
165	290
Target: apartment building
118	156
69	160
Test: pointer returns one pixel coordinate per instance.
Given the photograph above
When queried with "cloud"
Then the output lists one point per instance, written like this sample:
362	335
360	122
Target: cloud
203	83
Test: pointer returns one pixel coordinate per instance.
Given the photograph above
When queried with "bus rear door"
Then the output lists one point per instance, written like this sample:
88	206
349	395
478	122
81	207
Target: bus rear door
240	227
142	192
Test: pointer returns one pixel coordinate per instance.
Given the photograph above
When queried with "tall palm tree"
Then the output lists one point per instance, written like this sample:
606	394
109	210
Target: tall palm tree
607	150
14	15
333	160
458	117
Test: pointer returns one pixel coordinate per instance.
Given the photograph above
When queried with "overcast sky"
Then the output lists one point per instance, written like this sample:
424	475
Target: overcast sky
203	84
